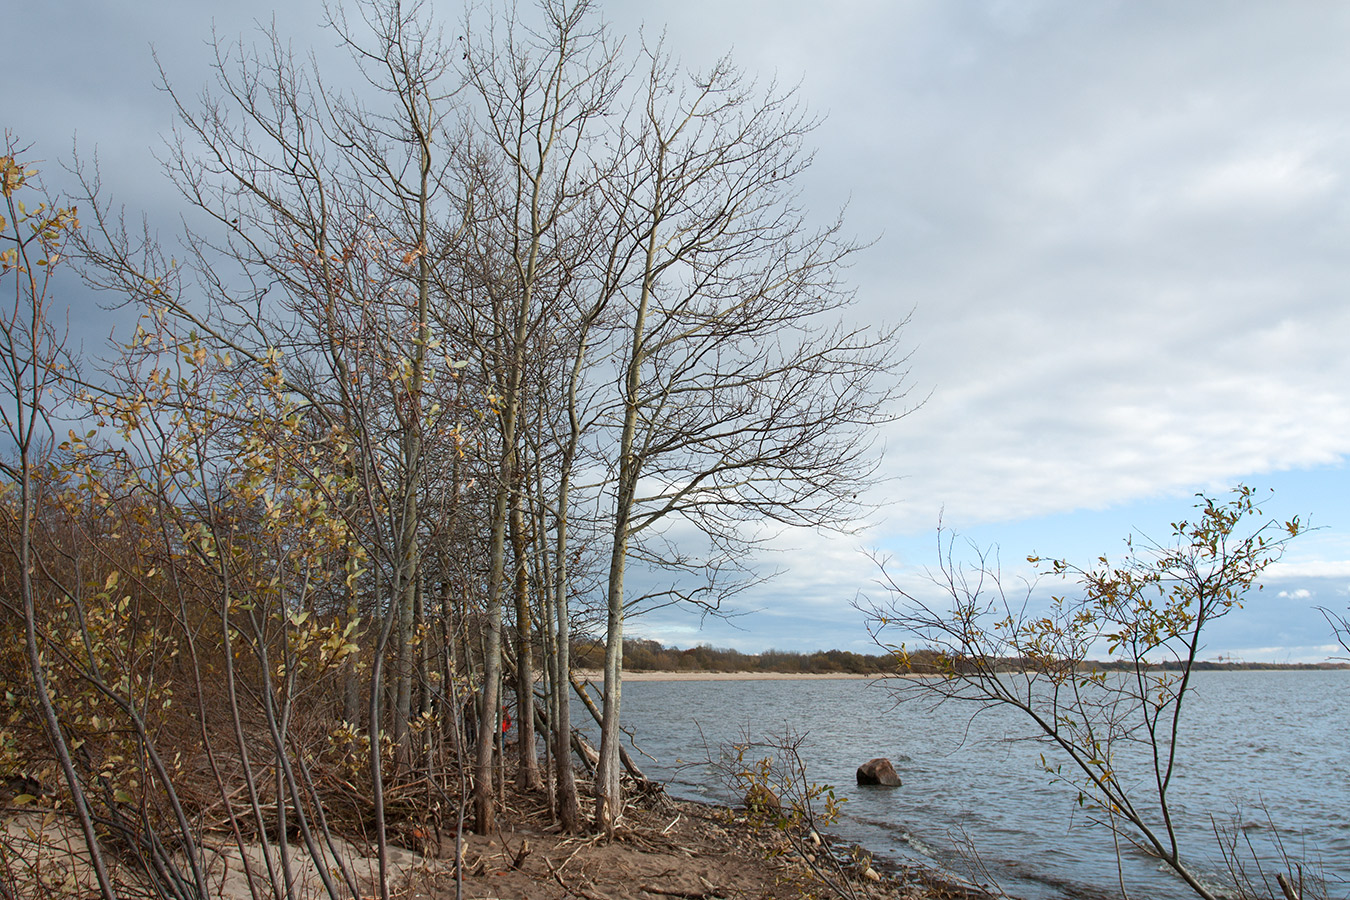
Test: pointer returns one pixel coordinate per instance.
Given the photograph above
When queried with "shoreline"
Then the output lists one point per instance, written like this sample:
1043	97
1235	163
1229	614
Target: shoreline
595	676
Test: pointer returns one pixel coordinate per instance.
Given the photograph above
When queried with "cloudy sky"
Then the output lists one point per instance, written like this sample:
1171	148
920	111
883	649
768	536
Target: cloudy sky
1122	230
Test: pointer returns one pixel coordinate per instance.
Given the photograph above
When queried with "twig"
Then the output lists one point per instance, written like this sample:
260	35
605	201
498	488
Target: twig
580	892
688	895
572	855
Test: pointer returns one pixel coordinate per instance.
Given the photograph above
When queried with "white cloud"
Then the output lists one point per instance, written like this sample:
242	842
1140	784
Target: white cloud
1280	179
1312	653
1308	568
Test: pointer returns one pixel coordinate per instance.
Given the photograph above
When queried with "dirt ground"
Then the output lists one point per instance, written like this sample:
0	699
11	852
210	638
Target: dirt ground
664	849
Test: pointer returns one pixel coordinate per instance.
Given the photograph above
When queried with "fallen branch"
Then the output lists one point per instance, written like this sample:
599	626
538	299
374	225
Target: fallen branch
579	892
688	895
643	781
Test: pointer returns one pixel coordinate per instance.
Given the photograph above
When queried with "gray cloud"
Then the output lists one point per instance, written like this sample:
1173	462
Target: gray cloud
1122	227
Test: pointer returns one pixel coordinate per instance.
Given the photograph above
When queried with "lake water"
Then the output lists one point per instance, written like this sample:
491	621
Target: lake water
1253	743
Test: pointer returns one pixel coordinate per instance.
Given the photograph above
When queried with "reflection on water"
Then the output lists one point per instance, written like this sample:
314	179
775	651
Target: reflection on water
1257	747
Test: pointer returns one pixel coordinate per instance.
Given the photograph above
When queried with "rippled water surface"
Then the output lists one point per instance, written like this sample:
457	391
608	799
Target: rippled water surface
1278	740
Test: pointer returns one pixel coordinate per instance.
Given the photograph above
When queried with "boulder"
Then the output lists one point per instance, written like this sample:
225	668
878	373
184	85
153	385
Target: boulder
878	771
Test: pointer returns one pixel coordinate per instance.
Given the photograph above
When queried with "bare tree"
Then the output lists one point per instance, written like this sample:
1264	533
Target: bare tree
503	294
739	398
543	92
410	64
319	278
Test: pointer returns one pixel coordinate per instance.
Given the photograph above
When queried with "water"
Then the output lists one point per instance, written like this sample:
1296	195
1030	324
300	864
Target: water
1258	747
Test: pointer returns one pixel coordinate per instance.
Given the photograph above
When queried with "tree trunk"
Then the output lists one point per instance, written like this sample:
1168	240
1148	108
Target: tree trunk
411	425
569	805
608	789
527	773
489	707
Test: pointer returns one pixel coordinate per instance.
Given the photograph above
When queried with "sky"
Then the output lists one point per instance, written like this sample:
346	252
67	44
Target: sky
1120	231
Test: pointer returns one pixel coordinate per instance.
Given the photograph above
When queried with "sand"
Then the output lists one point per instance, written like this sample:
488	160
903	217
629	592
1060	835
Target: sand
662	849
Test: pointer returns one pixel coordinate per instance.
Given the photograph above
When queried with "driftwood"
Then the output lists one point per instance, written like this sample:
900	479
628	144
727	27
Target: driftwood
628	763
583	747
589	755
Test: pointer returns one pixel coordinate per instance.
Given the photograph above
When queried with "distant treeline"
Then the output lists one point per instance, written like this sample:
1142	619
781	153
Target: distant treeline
651	656
640	655
1213	666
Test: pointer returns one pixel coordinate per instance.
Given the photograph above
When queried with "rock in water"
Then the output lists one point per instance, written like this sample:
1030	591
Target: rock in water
878	771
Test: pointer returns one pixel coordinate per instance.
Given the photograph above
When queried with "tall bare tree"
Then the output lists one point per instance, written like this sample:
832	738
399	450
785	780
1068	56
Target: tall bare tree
322	278
543	93
740	396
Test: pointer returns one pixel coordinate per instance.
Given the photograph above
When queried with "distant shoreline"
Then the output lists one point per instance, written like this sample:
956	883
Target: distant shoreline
595	675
